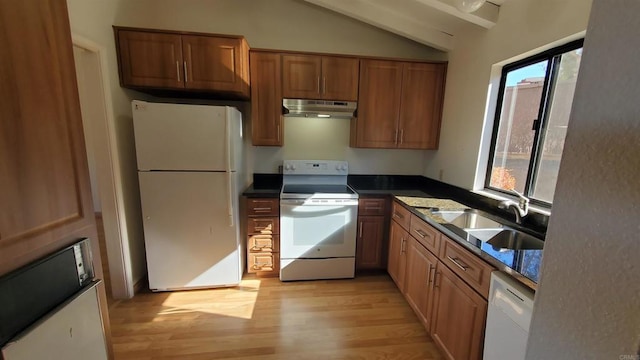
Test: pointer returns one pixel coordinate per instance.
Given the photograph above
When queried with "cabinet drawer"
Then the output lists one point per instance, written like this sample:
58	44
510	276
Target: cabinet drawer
371	207
401	215
263	225
264	263
425	234
263	207
263	243
469	267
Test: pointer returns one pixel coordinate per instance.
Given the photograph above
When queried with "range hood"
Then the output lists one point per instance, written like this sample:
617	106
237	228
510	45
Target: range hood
318	108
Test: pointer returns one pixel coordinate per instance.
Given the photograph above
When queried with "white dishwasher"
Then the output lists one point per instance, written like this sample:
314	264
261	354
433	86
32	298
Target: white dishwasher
508	318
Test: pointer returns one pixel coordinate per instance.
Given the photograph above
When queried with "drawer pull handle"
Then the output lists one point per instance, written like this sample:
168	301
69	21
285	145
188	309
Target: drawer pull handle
262	209
398	216
421	233
263	267
461	265
372	208
360	230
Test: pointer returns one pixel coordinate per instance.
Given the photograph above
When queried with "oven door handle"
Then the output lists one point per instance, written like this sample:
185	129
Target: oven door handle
345	202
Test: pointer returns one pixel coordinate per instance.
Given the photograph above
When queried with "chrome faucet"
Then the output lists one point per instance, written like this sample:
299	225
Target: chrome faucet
521	208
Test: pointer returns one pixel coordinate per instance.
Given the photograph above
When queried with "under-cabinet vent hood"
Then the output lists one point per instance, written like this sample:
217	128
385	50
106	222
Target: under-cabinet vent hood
319	108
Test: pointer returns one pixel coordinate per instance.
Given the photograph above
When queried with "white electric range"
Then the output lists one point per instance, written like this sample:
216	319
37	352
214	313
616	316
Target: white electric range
318	217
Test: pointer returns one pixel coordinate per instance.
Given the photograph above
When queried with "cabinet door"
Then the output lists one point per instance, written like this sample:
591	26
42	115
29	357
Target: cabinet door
421	105
214	63
339	78
369	242
459	315
378	104
419	289
45	194
266	99
150	59
396	266
301	76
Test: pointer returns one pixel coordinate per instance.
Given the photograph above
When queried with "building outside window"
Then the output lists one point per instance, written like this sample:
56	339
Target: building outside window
531	121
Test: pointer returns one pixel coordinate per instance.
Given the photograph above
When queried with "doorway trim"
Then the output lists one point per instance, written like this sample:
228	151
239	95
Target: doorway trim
109	175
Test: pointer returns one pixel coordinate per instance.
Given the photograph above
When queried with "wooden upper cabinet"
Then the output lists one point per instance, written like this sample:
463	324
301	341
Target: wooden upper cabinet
421	105
215	63
399	105
320	77
149	59
378	104
340	78
266	99
164	60
301	76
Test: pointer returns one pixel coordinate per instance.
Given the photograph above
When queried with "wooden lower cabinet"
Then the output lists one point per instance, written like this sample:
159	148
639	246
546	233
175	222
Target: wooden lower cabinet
263	239
450	304
397	254
369	244
459	316
421	265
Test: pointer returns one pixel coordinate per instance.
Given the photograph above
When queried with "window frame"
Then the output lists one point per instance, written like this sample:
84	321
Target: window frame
553	57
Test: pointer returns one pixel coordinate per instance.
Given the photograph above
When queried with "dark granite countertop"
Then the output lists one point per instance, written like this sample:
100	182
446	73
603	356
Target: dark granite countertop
523	265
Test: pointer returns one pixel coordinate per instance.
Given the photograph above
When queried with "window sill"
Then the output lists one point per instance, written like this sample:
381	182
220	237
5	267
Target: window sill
500	196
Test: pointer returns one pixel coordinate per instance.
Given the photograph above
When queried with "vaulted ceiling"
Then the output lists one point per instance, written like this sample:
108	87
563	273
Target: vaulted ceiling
431	22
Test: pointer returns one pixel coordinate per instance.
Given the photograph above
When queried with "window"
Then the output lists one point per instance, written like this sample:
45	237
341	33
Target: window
533	108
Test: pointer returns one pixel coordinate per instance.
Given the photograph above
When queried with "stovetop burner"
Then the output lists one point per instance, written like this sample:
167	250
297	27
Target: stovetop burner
317	179
317	189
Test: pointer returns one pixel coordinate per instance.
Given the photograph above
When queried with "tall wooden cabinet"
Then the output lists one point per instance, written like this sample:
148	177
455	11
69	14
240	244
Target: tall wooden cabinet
266	99
183	61
319	77
399	105
45	194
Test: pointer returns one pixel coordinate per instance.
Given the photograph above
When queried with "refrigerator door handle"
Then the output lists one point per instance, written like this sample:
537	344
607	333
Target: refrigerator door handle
230	197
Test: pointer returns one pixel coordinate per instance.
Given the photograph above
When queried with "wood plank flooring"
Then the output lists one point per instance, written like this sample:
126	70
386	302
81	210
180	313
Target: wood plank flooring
362	318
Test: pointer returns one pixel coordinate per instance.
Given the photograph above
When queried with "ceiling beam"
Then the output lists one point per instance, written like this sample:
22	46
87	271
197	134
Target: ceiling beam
486	16
385	18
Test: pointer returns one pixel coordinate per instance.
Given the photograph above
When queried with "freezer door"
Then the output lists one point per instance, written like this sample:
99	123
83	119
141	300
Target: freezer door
185	137
191	240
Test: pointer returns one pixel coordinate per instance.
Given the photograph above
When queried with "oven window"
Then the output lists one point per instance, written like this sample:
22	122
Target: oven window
319	230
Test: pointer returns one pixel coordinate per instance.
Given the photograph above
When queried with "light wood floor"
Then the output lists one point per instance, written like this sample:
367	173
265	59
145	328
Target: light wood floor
363	318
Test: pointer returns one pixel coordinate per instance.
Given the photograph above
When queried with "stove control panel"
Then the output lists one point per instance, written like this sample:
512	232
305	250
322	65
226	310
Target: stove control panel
315	167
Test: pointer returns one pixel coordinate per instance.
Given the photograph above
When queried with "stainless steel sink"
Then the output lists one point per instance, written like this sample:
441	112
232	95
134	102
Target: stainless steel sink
483	235
515	240
468	220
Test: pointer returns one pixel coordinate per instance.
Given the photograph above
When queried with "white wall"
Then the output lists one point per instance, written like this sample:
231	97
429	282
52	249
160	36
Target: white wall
273	24
523	25
328	139
92	20
588	300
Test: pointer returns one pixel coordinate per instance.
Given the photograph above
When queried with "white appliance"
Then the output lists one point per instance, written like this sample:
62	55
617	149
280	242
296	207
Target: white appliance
318	216
508	318
190	182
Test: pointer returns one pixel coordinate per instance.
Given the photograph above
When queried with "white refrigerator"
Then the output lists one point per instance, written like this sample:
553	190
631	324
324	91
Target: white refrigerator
189	169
